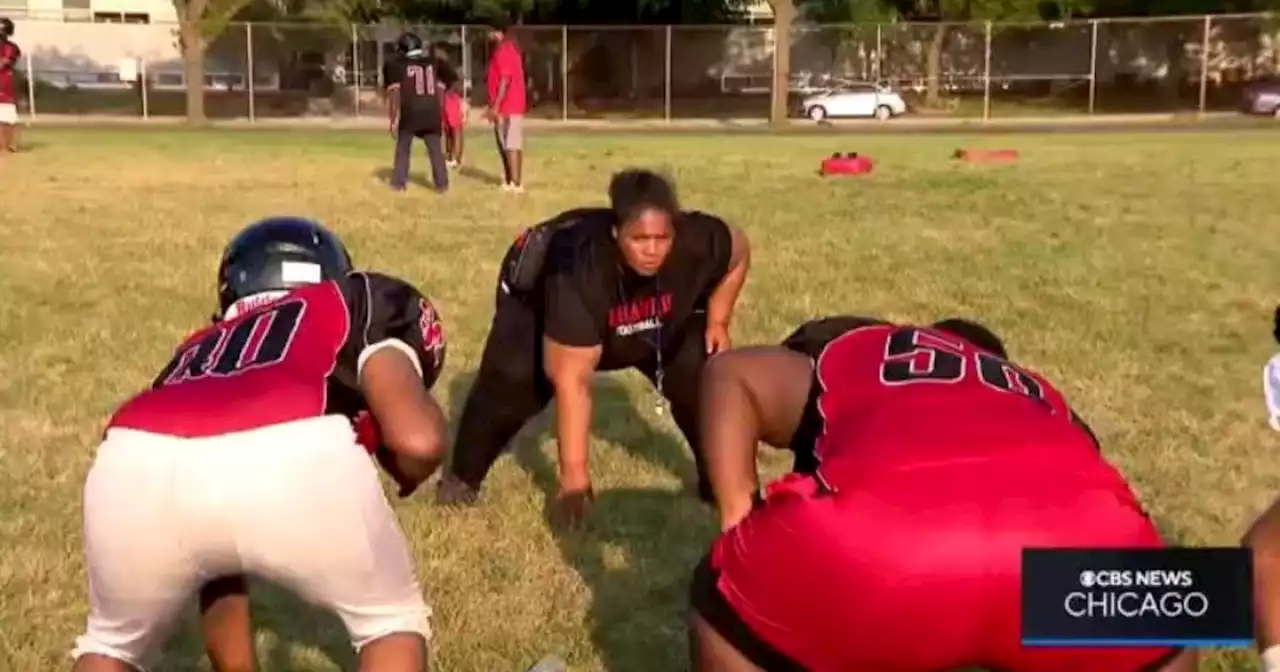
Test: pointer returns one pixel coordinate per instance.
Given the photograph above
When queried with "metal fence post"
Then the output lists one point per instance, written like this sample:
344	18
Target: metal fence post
355	65
986	76
773	69
382	59
564	73
666	80
466	64
879	51
142	80
248	56
31	86
1204	64
1093	64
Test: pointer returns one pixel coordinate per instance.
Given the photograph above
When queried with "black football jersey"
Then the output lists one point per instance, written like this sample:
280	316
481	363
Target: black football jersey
420	82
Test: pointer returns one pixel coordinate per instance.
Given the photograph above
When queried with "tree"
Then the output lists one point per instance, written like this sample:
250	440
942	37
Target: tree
199	23
844	24
784	17
945	13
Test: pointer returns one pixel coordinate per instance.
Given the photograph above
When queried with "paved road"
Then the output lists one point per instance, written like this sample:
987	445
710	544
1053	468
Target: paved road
1230	124
1155	123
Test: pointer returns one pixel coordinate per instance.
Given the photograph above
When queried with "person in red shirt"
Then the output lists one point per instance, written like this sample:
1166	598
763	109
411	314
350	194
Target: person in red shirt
9	55
454	119
926	461
507	104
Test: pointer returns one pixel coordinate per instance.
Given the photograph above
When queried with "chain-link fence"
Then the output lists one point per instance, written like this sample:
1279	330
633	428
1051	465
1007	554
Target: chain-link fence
988	70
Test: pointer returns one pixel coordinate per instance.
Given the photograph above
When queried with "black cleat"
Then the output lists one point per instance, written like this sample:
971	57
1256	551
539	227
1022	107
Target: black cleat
451	491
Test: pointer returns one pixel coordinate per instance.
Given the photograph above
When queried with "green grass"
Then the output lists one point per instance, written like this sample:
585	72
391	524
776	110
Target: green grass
1136	271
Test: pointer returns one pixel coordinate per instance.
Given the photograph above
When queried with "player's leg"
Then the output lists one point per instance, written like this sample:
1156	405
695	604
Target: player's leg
709	651
509	389
453	128
682	372
1063	509
450	146
771	604
435	155
313	518
457	135
226	625
141	551
400	162
8	127
499	136
514	143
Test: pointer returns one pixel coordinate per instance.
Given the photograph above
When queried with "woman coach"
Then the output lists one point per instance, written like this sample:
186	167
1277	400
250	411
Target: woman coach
641	284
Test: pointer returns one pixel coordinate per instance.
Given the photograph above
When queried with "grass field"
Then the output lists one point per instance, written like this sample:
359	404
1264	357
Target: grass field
1136	271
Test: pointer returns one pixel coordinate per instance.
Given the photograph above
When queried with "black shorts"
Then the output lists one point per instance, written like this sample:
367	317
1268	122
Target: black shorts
707	601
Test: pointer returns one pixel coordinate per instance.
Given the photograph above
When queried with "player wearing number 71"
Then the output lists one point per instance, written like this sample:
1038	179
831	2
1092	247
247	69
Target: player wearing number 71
242	459
416	84
926	462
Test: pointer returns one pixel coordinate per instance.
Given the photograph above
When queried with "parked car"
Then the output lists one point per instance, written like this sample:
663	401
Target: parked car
855	100
1262	97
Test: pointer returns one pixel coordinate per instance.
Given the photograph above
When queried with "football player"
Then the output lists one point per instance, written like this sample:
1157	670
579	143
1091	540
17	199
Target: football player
242	459
928	462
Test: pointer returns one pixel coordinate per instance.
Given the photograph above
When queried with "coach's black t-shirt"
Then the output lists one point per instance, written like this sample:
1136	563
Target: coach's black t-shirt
590	297
420	81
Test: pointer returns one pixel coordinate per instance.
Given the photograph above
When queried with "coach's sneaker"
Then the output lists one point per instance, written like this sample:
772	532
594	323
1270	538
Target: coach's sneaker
1271	391
451	491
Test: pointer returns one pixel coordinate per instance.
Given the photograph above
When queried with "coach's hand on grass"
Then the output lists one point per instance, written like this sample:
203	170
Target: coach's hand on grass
572	505
717	337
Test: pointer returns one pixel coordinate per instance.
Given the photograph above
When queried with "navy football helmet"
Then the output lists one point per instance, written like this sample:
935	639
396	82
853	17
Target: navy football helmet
279	253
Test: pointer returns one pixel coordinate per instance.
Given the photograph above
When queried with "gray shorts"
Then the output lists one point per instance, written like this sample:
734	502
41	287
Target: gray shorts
510	132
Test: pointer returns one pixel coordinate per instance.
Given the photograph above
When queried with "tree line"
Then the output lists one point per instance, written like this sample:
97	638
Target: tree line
201	21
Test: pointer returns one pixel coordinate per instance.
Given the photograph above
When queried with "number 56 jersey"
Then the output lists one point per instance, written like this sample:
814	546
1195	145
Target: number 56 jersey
890	396
288	356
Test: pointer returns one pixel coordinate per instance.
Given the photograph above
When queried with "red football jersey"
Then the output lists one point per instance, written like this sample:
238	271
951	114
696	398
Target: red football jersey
294	357
892	396
9	55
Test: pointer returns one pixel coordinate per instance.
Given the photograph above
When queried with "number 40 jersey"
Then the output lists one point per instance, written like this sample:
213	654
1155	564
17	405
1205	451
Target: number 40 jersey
296	355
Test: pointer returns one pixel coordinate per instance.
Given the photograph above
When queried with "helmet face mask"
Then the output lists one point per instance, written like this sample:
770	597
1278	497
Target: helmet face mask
279	254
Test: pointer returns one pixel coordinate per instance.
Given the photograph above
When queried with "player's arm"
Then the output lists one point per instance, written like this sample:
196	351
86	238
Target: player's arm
447	75
725	296
412	424
571	351
391	76
748	396
401	352
9	57
1263	538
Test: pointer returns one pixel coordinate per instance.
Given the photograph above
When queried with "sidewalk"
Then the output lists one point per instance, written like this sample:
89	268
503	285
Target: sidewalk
906	124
